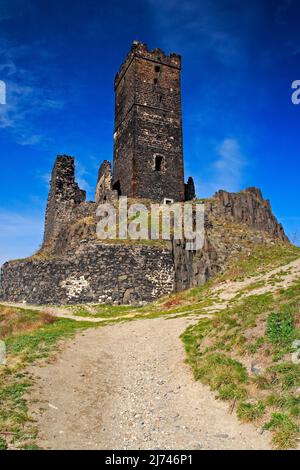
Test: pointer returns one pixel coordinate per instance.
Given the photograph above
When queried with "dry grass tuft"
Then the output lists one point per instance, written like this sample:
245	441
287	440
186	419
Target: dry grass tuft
13	322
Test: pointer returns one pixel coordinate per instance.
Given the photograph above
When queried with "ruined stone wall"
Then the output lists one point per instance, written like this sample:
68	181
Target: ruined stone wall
115	274
104	189
64	196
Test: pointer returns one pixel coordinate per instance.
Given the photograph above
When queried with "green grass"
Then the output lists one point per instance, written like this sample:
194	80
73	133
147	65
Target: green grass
103	311
261	260
284	401
286	431
37	345
29	336
248	289
260	328
3	444
280	327
248	412
156	309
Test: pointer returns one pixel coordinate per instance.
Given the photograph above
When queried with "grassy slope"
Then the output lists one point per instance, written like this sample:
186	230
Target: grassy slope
28	336
245	352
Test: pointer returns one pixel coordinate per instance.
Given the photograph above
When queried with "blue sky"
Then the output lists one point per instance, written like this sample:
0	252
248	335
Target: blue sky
59	58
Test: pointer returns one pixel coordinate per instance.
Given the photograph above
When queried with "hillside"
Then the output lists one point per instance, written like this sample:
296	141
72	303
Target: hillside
127	382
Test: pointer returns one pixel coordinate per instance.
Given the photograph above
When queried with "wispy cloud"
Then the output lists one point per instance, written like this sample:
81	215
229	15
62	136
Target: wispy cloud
27	96
227	171
206	26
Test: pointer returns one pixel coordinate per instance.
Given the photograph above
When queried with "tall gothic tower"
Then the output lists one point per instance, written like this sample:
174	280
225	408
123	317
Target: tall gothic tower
148	154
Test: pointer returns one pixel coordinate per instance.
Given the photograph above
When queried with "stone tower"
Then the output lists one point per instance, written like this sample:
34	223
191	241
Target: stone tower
148	153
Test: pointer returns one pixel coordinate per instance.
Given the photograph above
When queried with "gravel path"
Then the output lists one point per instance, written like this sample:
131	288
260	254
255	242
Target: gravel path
126	386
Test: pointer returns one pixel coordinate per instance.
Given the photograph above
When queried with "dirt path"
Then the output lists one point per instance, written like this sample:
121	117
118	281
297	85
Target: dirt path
126	386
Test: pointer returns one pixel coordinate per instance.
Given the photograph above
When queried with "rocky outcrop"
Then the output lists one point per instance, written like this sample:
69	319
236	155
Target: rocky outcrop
234	223
250	208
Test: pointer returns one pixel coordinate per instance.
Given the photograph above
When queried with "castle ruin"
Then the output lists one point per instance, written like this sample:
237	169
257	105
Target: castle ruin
74	266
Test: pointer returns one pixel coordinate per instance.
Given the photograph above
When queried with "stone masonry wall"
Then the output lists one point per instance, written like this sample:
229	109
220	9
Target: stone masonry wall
148	150
64	196
115	274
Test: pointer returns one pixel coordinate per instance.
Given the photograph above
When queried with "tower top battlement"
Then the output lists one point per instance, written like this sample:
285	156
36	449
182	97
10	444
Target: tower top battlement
140	50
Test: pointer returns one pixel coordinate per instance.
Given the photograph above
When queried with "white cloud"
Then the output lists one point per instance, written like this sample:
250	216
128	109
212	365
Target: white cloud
227	169
27	98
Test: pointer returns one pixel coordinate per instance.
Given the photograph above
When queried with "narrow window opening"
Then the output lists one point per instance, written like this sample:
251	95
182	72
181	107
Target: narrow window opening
117	187
168	202
157	68
160	98
155	81
158	162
